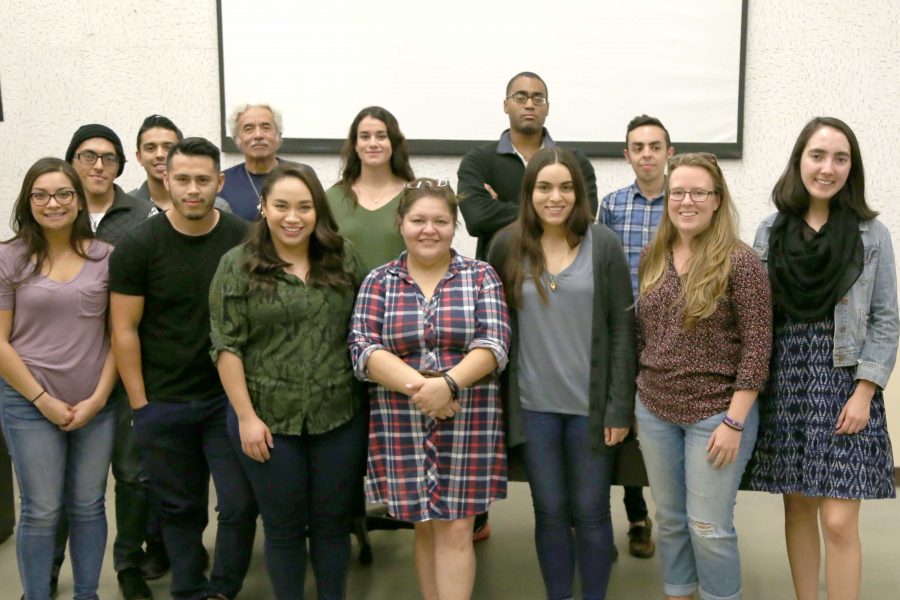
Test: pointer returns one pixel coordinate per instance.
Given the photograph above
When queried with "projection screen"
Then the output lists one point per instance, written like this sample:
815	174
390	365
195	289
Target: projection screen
442	68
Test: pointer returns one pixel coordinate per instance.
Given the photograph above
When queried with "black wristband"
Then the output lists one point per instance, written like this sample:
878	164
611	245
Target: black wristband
451	383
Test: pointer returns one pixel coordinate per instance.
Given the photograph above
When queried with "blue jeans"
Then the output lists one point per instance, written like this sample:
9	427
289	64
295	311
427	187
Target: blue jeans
570	491
131	495
181	444
308	484
695	503
58	471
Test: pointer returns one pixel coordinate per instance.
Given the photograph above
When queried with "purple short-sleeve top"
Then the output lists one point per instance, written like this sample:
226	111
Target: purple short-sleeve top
58	328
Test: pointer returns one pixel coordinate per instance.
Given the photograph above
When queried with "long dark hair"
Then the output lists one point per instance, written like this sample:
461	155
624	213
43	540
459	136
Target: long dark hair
27	229
326	246
790	195
351	166
527	229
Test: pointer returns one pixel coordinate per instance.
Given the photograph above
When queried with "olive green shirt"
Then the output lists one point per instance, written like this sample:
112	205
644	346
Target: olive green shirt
292	342
374	232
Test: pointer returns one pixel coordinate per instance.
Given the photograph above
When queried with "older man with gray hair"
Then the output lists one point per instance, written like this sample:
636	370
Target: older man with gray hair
256	129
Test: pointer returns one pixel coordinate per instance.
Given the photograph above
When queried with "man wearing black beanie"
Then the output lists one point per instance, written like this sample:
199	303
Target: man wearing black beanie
98	157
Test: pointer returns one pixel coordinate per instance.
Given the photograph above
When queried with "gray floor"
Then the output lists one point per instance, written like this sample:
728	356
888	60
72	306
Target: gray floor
507	565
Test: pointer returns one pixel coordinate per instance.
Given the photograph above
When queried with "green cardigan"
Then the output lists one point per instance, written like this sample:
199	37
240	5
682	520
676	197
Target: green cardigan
613	360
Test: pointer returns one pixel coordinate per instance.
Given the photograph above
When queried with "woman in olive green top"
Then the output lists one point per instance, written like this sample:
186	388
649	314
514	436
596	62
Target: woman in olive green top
280	305
375	167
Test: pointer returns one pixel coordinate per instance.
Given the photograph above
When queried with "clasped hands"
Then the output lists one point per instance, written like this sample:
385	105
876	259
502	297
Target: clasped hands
65	416
432	396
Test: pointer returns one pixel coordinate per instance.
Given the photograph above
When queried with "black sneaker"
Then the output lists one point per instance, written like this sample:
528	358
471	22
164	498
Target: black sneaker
640	541
156	561
133	586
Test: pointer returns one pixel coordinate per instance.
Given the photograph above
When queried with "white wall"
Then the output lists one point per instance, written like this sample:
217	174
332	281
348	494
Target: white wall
117	62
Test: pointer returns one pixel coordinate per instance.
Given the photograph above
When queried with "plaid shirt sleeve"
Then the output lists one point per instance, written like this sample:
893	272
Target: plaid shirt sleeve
492	318
367	323
604	215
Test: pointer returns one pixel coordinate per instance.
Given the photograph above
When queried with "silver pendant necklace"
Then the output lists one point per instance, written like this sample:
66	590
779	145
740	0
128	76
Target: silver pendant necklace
255	191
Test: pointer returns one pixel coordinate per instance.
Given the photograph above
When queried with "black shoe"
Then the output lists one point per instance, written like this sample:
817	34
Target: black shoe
640	542
156	561
133	586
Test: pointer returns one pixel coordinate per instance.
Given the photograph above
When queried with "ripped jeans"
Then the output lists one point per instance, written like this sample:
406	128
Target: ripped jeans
698	545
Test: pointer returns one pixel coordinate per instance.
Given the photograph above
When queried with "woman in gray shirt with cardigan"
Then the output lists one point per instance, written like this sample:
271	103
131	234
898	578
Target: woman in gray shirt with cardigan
569	389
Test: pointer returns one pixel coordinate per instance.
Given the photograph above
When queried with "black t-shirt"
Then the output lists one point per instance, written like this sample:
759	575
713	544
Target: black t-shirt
173	271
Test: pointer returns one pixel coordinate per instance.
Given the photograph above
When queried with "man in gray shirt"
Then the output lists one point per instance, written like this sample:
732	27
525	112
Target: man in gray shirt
156	135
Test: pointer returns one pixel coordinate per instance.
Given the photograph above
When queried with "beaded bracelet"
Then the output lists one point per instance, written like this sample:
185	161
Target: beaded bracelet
451	383
736	425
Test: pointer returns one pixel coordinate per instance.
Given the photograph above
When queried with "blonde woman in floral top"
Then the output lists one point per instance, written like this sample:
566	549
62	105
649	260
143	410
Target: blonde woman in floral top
704	339
280	306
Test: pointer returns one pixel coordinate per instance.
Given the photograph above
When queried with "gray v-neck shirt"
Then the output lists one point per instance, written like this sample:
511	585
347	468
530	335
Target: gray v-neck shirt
555	339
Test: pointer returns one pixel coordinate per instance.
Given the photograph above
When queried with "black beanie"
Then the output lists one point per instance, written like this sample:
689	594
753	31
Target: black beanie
86	132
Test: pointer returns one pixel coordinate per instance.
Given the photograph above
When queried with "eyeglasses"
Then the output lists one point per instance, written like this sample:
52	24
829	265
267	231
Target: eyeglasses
698	195
522	98
89	157
427	183
43	198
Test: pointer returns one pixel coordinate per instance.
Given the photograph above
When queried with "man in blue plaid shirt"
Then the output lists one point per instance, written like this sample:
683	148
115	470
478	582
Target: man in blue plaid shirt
633	213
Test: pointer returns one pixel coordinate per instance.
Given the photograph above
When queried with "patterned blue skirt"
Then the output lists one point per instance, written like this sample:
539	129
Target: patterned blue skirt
797	451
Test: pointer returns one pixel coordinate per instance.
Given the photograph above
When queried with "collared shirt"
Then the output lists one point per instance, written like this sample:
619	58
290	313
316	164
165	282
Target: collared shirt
425	468
292	342
466	311
125	213
634	219
501	167
505	145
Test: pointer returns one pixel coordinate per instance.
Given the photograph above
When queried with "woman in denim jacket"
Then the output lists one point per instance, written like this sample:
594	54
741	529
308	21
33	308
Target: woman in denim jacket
823	439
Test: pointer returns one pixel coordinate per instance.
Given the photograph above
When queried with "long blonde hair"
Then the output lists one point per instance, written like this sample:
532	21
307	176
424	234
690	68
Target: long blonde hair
706	280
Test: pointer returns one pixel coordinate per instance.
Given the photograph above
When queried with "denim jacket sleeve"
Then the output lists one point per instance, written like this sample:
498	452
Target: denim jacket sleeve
879	350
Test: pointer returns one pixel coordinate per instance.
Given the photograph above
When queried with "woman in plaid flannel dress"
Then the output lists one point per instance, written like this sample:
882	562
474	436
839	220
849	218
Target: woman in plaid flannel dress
434	459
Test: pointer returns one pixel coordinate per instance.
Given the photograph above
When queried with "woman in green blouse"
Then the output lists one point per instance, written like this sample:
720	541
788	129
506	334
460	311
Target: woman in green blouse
374	169
280	305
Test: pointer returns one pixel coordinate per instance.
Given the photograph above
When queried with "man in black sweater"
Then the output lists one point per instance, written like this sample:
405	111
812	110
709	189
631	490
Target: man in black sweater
490	176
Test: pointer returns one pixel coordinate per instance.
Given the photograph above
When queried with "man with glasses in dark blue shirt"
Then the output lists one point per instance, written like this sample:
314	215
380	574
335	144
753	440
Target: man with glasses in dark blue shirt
490	176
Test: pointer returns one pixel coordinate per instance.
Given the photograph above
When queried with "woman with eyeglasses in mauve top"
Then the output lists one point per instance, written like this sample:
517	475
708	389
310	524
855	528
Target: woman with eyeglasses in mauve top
430	330
569	389
704	339
825	443
57	373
